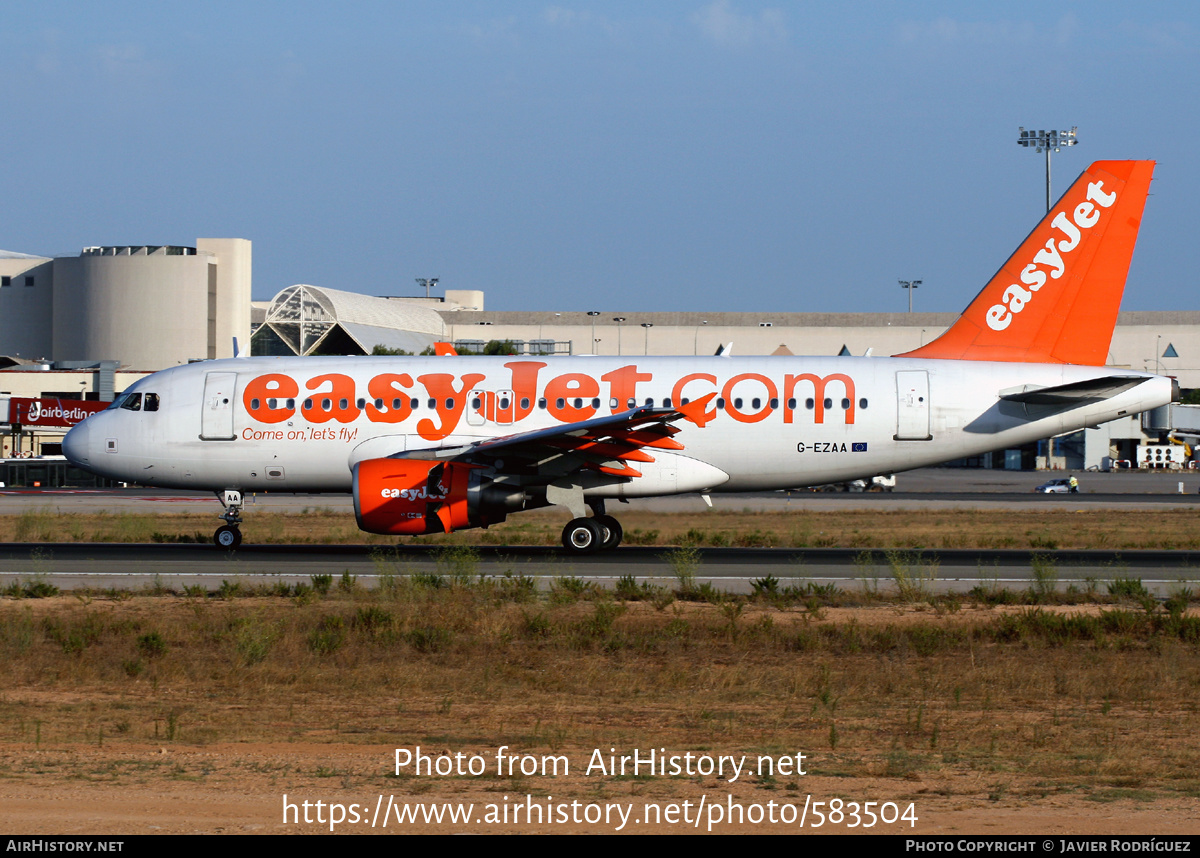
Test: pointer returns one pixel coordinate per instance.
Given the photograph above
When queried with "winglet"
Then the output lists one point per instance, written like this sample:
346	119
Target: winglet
1057	297
695	410
444	349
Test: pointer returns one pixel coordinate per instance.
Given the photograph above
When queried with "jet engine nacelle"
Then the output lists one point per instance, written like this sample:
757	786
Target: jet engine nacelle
415	496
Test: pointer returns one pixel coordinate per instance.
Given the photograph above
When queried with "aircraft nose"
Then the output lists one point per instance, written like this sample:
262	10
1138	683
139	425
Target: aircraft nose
75	445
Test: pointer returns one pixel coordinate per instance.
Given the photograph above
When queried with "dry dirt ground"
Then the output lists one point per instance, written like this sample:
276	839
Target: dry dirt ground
239	789
1027	738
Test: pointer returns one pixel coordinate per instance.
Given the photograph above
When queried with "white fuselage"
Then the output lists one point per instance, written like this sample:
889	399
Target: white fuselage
300	424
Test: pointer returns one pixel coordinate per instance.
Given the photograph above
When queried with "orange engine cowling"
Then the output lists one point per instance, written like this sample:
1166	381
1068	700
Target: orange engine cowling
412	496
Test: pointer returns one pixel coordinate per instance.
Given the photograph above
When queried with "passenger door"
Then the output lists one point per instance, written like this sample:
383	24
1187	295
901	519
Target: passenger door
216	419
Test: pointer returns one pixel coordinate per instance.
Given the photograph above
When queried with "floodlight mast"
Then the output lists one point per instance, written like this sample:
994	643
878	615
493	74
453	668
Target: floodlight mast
1047	140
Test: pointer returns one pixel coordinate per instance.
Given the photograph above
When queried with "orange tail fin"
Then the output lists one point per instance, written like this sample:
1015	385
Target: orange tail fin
1056	299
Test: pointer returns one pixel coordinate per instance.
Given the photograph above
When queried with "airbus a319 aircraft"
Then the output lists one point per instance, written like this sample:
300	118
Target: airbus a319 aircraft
441	443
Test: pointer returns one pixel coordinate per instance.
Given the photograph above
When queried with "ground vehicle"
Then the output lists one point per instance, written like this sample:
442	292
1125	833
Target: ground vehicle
1056	487
437	444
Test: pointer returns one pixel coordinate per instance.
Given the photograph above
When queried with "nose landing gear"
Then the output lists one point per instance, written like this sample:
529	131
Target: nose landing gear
229	535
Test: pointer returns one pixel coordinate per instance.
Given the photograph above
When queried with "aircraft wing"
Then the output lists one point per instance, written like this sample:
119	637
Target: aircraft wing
607	444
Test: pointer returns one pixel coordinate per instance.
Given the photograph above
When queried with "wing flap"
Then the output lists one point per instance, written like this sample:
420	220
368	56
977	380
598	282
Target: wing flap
607	444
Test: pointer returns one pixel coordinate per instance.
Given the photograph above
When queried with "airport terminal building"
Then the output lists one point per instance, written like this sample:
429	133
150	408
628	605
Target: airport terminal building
145	306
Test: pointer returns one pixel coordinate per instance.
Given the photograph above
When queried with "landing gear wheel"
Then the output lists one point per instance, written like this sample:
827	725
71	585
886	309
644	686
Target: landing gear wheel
227	537
582	536
613	533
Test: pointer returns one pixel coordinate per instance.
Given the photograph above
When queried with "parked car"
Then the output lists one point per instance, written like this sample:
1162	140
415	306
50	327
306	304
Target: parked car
1056	487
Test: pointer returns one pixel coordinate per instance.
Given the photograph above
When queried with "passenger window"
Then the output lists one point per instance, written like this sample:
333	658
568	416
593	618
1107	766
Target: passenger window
862	403
343	404
271	404
810	404
253	404
379	405
150	402
524	403
792	403
666	403
504	402
828	402
737	403
326	404
133	403
774	403
845	404
541	403
720	404
308	404
362	403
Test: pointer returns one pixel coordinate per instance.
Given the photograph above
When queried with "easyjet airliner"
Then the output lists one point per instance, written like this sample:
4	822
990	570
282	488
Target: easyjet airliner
437	444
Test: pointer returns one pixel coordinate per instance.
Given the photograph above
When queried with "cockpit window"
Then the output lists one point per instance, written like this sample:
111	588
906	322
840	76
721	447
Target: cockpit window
150	402
133	402
118	401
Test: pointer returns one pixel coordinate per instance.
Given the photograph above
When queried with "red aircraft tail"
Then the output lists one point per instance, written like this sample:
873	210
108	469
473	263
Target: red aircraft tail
1056	299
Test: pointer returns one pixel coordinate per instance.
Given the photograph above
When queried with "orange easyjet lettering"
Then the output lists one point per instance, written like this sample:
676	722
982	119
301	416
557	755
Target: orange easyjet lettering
569	397
260	391
818	383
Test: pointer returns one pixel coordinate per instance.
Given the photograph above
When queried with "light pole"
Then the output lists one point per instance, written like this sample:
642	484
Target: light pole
593	314
1157	352
910	285
427	283
696	340
1047	140
618	320
647	326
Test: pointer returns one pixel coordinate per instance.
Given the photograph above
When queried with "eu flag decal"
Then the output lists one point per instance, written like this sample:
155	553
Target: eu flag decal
858	447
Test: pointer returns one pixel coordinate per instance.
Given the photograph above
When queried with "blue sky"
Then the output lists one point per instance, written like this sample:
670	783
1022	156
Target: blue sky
727	155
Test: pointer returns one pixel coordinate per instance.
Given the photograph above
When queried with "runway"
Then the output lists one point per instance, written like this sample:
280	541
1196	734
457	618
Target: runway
134	567
927	488
125	566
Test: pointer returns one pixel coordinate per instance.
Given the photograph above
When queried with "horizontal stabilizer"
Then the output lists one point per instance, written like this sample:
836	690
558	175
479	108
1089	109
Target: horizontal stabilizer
1075	393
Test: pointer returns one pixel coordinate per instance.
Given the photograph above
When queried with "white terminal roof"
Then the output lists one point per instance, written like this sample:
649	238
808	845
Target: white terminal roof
304	315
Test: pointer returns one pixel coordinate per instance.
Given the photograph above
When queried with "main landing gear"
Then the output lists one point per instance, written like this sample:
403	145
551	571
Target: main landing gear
229	535
589	535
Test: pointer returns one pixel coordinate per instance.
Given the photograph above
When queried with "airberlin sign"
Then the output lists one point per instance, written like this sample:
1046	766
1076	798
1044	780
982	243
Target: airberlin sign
1053	256
51	412
748	397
